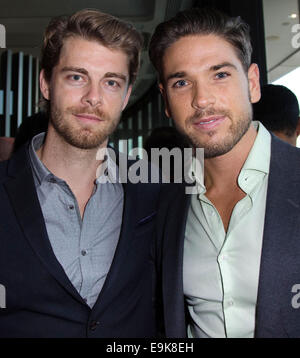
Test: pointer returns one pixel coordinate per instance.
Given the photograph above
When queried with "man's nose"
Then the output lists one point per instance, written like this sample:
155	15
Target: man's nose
203	97
93	95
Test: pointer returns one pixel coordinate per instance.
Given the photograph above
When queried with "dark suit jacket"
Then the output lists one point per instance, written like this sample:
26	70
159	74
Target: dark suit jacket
40	299
280	258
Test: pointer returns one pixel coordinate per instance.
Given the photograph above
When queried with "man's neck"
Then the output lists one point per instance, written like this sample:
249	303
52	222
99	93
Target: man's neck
222	172
74	165
77	167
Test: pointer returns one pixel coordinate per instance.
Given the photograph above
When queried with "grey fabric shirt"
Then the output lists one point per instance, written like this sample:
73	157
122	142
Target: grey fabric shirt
84	247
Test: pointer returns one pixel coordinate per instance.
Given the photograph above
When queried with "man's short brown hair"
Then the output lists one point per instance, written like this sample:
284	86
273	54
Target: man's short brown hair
204	21
93	25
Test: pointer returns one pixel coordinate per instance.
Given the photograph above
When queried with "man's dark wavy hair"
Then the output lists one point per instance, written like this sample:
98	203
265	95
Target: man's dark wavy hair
205	21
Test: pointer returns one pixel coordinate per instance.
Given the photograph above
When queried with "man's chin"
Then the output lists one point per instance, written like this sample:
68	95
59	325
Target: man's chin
212	149
86	141
215	152
88	144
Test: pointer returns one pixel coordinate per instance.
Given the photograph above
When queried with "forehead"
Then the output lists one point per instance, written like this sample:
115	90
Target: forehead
202	51
90	54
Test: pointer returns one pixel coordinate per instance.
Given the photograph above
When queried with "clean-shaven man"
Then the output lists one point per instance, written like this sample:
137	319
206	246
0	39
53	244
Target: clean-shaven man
231	251
76	256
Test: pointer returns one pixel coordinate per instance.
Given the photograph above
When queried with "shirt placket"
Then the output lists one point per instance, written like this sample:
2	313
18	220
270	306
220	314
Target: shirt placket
214	221
225	259
75	231
85	246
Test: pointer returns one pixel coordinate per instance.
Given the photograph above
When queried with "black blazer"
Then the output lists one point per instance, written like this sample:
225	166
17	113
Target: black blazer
40	299
276	316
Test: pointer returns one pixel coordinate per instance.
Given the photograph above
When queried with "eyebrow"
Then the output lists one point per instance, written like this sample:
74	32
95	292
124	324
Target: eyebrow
116	74
213	68
85	72
221	65
176	75
75	69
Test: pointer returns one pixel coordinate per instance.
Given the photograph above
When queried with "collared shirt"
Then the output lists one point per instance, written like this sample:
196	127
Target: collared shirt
84	247
221	270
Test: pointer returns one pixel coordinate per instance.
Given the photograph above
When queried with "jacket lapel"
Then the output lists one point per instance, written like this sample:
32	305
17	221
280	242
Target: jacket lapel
281	221
23	197
172	263
128	222
114	275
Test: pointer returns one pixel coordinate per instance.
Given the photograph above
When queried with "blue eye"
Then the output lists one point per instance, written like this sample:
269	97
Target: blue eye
112	83
76	77
222	75
179	83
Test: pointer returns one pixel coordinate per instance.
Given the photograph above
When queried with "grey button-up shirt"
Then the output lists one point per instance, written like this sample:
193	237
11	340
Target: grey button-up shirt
84	247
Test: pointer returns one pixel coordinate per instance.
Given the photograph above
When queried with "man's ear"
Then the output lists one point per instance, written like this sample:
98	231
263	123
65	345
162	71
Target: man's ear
253	82
126	99
44	86
164	95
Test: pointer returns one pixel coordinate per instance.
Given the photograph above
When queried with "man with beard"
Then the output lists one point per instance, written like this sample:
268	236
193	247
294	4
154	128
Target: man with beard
76	256
230	265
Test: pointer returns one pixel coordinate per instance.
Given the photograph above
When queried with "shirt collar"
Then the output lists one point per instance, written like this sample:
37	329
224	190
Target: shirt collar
258	160
105	173
257	164
260	154
39	169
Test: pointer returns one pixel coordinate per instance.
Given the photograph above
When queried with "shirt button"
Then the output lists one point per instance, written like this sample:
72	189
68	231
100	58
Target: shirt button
71	207
230	303
83	252
93	325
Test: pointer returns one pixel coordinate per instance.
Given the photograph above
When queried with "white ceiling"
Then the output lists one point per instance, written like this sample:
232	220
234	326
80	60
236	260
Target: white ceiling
278	33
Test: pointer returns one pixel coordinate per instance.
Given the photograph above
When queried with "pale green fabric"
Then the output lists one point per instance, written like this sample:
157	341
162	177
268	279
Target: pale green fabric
221	270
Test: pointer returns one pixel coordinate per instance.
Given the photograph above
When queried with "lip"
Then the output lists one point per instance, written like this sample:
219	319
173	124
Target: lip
88	117
209	123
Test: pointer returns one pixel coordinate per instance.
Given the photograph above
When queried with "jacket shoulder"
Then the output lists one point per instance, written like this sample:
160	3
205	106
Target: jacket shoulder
16	163
285	158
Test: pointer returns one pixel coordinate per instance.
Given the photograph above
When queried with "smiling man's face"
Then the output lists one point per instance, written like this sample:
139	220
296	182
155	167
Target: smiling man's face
88	91
207	92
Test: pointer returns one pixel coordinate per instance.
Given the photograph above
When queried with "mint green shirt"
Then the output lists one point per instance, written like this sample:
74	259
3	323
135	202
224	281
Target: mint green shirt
221	270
